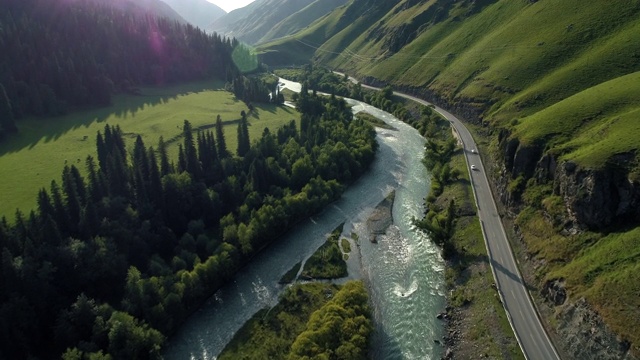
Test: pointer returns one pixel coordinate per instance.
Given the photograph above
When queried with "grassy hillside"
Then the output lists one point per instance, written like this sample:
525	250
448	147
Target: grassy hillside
250	23
560	77
485	54
301	19
37	155
595	125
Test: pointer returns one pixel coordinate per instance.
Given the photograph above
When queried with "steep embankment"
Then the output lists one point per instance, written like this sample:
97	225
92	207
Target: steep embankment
556	88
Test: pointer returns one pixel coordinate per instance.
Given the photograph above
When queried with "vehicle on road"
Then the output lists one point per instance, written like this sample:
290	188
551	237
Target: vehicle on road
473	167
474	151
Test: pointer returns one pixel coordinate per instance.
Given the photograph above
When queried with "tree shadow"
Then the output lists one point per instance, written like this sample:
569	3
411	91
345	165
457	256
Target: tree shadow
270	108
511	275
36	130
384	346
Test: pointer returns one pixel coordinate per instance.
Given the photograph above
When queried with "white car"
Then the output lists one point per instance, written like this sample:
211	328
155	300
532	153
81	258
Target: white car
473	151
473	167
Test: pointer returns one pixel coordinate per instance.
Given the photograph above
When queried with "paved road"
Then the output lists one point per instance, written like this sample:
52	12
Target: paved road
532	337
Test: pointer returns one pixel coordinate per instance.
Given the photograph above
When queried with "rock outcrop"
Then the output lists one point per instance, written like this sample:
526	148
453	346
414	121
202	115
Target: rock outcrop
587	337
597	199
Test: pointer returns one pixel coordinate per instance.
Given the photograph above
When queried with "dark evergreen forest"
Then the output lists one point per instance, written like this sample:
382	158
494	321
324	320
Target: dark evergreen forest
111	262
59	55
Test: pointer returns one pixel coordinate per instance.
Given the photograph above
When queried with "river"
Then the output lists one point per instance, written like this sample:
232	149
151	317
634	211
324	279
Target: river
404	270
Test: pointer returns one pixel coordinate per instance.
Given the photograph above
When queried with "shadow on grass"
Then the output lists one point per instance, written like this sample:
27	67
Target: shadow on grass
271	108
34	130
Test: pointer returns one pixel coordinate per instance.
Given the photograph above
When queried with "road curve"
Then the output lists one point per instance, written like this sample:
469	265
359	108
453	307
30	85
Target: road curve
522	314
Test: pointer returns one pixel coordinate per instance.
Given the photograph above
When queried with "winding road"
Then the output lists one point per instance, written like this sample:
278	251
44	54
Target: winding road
522	314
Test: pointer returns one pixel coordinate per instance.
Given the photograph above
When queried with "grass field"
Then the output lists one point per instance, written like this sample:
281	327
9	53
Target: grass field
37	154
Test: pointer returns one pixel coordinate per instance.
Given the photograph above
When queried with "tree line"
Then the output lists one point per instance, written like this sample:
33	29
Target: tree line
438	221
112	262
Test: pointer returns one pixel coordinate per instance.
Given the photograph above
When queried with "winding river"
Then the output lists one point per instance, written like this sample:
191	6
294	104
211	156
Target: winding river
404	270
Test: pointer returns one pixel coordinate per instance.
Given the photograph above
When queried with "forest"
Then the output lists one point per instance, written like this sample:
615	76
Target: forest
119	253
110	264
64	55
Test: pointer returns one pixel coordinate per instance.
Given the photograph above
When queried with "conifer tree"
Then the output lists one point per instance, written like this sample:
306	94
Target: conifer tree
140	161
96	186
73	204
45	208
61	217
165	165
220	141
182	160
244	143
155	181
190	153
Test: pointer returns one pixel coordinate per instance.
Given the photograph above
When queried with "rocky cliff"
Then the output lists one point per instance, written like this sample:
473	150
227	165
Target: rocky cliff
594	199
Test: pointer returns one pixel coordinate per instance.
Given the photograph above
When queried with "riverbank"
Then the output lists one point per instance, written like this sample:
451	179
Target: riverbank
476	324
406	321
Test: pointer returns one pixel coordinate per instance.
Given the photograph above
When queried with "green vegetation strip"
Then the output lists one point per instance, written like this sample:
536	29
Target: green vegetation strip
327	262
291	275
315	320
374	121
346	246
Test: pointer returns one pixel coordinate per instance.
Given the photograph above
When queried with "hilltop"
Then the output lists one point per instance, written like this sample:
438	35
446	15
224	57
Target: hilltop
551	89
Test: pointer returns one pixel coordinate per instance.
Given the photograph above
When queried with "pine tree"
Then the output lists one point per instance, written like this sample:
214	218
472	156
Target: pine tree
220	141
97	188
45	208
155	181
244	143
182	160
140	160
72	203
165	166
102	151
61	217
190	153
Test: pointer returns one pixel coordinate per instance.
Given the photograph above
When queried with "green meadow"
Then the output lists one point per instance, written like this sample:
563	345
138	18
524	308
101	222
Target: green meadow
39	152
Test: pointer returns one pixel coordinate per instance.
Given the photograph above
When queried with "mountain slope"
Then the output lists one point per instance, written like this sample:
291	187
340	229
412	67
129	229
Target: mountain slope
554	86
200	13
140	7
301	19
250	23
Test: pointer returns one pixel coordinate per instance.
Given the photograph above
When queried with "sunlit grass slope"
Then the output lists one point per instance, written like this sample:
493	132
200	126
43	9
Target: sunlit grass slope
301	19
591	126
299	49
38	153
